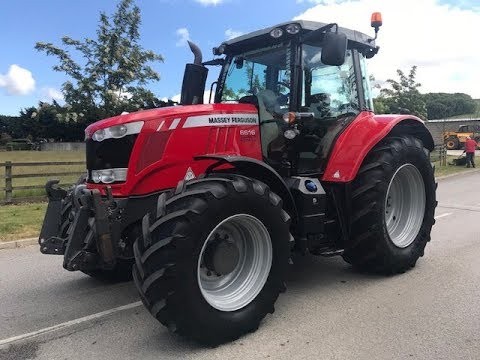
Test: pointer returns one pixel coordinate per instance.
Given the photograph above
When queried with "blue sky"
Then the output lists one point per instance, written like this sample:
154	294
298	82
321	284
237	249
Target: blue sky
208	22
23	22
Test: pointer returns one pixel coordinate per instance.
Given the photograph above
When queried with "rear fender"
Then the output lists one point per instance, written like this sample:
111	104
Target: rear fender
259	170
366	131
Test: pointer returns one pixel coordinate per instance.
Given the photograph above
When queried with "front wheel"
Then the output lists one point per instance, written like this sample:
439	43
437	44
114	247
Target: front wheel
212	264
393	206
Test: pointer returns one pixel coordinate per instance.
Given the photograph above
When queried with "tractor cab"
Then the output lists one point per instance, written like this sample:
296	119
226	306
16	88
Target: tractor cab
308	81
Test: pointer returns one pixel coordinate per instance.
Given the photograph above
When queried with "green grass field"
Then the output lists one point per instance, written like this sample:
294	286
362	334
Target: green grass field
449	169
42	171
21	221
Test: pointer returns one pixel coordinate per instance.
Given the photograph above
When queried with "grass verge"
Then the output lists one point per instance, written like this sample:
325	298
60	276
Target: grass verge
21	221
449	169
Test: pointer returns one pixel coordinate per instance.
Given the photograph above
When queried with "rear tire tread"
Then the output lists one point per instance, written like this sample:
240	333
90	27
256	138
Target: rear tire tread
368	248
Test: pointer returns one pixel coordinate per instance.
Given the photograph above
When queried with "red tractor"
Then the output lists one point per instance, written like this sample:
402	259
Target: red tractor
208	202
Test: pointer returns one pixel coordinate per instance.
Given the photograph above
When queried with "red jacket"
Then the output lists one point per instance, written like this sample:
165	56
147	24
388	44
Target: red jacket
470	146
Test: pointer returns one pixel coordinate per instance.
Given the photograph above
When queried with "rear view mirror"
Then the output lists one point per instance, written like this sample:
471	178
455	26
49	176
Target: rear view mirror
239	62
334	48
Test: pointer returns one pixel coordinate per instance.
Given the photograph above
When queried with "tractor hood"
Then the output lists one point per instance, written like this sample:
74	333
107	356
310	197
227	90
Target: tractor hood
155	114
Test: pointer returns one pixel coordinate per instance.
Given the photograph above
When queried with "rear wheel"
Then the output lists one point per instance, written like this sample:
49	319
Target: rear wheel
213	263
393	202
452	143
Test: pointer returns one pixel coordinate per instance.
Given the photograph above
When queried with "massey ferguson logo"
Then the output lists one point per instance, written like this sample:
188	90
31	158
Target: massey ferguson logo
232	120
221	120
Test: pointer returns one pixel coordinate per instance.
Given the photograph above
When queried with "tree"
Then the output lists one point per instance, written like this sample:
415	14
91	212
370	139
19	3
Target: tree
114	70
442	105
404	96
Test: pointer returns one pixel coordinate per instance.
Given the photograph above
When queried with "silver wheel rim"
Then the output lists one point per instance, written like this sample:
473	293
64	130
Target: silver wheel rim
238	288
405	205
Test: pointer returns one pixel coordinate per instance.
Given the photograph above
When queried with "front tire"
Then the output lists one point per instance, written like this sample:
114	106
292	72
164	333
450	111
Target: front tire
179	269
393	206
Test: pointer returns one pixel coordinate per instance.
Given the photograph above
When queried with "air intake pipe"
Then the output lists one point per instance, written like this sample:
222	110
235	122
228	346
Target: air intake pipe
194	79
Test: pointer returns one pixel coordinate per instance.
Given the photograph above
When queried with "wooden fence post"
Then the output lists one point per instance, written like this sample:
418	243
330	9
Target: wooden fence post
8	182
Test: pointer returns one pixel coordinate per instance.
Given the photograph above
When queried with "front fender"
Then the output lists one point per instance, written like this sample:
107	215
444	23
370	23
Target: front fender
259	170
367	130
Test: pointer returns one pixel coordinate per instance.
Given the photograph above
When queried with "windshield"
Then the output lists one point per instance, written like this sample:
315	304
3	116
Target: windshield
328	91
264	73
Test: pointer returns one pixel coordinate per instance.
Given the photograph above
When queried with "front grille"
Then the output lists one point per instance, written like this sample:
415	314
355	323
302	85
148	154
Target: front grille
110	153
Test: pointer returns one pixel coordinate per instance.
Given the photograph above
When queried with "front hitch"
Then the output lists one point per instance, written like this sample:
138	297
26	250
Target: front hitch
77	226
49	241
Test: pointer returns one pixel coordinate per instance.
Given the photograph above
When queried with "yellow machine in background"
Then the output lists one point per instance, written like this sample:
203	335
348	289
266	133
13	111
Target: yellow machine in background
456	139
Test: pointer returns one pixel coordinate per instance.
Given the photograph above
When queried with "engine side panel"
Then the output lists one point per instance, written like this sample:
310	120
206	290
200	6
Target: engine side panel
164	151
361	136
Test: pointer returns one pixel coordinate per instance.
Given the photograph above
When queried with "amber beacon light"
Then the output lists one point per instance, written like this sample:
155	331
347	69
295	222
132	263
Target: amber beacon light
376	22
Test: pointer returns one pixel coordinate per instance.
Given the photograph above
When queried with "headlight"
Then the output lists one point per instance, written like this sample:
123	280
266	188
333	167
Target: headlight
276	33
293	29
109	176
99	135
118	131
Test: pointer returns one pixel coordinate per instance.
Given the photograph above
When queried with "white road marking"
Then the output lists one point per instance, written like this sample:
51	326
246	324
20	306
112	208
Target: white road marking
460	207
69	323
442	215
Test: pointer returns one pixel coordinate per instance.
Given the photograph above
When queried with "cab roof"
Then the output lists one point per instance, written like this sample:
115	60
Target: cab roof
357	38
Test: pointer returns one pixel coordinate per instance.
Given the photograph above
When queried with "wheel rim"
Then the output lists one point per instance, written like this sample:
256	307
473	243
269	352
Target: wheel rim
405	205
235	290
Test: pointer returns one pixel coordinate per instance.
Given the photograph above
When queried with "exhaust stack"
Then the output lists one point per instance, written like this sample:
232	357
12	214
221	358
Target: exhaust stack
194	79
197	53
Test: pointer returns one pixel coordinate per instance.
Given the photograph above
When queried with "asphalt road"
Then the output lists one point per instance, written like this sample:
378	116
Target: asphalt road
328	312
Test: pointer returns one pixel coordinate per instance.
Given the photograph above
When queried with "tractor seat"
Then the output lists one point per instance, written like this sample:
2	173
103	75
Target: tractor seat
319	104
267	103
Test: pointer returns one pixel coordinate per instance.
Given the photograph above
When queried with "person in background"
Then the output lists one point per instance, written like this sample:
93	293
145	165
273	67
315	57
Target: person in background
470	146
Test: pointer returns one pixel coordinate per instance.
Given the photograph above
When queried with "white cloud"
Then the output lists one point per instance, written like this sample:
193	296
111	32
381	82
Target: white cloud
183	36
230	34
17	81
49	94
210	2
441	39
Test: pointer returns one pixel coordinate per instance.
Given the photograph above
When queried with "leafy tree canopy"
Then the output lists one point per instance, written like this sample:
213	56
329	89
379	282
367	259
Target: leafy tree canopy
402	96
114	68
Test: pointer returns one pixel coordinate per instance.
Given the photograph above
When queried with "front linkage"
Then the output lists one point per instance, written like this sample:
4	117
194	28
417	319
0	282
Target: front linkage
77	226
